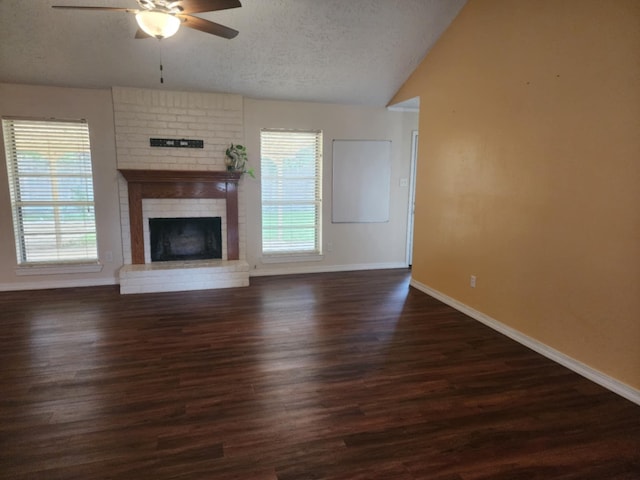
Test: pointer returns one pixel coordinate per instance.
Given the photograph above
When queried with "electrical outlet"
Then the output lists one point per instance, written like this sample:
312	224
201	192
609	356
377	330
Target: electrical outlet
472	281
329	246
404	182
108	256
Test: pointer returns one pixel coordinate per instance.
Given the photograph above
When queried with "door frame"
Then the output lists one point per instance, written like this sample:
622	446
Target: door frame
412	196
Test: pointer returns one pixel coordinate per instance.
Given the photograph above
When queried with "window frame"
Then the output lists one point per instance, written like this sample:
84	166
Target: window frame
271	255
55	181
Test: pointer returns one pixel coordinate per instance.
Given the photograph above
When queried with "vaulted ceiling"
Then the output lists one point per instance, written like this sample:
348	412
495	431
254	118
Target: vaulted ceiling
337	51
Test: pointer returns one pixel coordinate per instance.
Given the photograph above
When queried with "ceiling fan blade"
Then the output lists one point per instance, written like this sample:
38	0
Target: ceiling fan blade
206	26
110	9
198	6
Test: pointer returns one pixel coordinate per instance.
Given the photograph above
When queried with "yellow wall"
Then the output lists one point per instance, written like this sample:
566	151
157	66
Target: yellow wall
529	172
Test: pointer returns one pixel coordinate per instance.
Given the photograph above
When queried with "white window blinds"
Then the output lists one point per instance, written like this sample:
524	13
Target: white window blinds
51	187
291	166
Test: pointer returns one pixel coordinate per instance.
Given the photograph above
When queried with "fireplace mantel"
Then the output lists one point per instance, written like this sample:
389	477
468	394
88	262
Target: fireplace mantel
179	176
181	184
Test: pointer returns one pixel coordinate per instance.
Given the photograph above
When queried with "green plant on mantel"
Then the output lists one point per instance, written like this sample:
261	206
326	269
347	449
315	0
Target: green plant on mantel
236	160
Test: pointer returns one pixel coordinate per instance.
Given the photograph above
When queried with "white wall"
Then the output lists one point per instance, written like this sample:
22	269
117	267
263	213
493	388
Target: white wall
345	246
354	246
66	103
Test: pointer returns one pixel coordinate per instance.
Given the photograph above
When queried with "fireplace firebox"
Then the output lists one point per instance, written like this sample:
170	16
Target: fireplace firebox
191	238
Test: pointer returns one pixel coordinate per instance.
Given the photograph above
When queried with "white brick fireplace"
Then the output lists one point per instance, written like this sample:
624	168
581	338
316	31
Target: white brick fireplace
141	114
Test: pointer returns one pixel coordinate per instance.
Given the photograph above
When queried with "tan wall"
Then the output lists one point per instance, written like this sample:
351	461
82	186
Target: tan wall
529	172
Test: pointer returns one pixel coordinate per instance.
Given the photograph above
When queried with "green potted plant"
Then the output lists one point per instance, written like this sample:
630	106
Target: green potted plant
236	159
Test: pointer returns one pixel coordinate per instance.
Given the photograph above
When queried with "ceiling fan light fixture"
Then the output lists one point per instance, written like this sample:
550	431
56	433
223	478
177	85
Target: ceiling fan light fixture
158	24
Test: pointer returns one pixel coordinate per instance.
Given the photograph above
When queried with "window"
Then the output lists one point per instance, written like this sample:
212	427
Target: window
291	166
51	187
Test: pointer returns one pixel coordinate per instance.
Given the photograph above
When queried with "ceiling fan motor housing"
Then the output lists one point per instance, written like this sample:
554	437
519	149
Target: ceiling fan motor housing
164	6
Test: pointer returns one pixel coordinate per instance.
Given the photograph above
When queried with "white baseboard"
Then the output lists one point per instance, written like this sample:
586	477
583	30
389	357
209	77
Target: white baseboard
94	282
578	367
301	269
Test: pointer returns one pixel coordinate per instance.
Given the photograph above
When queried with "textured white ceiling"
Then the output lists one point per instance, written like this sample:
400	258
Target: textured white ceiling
338	51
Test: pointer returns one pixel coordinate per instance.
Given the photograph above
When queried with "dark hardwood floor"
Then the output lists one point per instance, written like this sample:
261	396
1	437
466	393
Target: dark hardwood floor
350	376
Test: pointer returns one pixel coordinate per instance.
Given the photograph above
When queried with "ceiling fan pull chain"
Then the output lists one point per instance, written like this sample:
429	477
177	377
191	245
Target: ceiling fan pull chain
161	72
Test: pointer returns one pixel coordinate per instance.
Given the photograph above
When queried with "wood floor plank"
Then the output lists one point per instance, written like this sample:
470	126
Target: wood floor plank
340	376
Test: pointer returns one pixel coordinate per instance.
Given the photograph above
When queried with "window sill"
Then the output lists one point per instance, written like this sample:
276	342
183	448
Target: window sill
58	269
290	258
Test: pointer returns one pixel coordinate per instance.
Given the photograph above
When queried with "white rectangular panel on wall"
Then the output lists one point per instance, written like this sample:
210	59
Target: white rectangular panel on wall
361	181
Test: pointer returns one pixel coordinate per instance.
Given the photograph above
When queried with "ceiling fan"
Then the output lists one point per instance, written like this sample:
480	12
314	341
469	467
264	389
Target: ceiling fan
162	18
